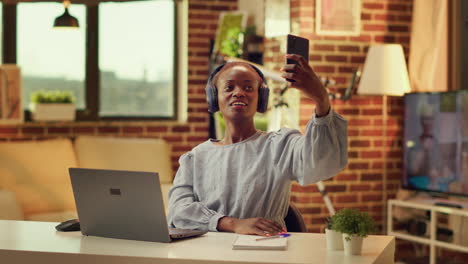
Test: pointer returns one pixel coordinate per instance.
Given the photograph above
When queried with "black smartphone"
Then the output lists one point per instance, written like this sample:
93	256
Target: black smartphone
297	45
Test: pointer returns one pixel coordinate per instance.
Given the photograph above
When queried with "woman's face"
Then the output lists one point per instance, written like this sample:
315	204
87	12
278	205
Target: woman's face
238	92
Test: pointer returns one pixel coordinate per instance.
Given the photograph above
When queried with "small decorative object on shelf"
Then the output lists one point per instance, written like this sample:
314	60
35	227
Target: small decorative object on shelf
355	226
52	106
334	238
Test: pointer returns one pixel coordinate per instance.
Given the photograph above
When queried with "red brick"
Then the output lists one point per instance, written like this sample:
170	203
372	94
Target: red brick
362	38
385	39
335	188
172	138
346	177
346	69
349	111
377	6
336	58
180	129
359	122
156	129
397	7
58	130
83	130
372	133
358	59
366	16
32	130
359	187
301	189
324	69
201	129
371	177
9	130
197	119
398	28
324	47
358	165
374	27
315	58
352	154
181	148
371	154
348	198
132	129
372	111
353	133
348	48
107	129
359	143
371	197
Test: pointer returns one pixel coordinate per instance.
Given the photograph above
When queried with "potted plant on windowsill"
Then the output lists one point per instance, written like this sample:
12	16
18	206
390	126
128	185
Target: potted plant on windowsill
52	106
355	226
334	238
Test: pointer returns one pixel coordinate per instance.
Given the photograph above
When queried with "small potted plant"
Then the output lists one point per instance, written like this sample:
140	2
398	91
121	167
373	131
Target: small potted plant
334	238
355	226
52	106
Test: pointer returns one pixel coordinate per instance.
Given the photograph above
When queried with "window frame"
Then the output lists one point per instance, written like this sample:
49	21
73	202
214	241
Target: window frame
92	73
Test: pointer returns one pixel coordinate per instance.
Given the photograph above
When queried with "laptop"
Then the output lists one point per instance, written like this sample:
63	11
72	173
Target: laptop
123	204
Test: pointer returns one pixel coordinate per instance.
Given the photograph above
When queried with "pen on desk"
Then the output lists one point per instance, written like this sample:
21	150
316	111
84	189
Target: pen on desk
270	237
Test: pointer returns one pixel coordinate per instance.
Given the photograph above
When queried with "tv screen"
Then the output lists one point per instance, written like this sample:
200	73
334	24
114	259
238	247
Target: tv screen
436	142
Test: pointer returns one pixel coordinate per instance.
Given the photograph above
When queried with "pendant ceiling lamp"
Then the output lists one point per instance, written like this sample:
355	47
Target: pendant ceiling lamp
66	20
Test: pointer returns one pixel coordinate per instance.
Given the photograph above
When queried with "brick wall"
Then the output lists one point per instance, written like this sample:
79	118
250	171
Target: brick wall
360	184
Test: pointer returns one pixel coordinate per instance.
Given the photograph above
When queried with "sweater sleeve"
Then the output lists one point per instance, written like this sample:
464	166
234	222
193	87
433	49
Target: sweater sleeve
185	211
318	154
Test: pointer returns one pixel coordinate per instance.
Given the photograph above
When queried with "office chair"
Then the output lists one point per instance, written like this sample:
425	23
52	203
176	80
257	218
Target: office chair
294	221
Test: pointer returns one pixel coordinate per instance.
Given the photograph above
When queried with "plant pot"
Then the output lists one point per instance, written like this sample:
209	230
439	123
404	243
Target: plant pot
353	246
334	239
53	112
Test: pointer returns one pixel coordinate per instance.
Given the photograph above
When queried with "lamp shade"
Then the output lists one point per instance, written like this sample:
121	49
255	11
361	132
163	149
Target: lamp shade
385	71
66	20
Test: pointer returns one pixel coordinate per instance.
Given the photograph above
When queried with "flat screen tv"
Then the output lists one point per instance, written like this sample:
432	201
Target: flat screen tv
436	142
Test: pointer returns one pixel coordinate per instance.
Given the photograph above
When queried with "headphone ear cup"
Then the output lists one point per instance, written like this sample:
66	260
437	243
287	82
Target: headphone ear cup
211	98
263	95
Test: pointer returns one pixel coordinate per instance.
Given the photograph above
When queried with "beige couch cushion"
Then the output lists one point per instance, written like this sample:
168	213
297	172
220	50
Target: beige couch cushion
9	206
137	154
37	171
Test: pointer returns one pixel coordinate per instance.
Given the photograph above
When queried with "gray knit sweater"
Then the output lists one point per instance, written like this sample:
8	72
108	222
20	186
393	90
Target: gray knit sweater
252	178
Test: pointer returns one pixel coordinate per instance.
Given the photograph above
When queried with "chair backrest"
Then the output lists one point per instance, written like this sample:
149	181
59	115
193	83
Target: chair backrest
294	221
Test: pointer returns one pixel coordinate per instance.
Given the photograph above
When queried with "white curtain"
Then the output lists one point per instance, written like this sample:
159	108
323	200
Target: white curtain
428	60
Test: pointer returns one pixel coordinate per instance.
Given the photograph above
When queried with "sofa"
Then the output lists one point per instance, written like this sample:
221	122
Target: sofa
34	180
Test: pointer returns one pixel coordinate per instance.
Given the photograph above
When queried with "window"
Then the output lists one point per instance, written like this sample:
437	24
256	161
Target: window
50	59
121	62
139	82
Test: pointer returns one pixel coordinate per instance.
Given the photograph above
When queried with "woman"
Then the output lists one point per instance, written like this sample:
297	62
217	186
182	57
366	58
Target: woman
241	183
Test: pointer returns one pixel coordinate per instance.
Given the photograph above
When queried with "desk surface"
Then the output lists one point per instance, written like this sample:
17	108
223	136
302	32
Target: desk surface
38	242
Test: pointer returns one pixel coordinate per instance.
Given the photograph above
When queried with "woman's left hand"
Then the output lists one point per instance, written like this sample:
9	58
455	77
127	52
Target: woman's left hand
306	81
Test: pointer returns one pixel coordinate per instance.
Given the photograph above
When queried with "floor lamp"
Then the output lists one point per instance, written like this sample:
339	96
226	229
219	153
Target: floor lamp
384	73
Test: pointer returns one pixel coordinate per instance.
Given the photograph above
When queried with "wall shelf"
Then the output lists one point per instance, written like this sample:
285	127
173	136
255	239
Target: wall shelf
432	242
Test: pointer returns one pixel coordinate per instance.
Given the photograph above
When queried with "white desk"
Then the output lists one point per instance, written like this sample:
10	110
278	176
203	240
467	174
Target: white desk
38	242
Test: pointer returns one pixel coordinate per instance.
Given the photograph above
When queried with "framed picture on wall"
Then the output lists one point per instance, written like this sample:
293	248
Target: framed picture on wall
229	37
338	17
11	110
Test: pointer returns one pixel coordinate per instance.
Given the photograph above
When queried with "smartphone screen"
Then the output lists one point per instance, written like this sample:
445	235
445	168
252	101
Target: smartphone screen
297	45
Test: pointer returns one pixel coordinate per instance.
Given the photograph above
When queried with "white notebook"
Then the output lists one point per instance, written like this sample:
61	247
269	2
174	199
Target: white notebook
250	242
